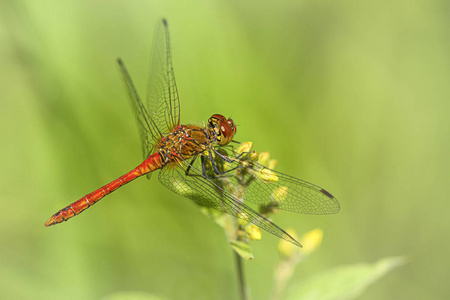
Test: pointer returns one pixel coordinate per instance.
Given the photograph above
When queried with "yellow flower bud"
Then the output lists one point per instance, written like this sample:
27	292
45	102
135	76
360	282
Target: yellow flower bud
245	164
279	194
266	175
242	222
244	147
311	241
254	156
264	158
287	249
253	232
244	218
272	163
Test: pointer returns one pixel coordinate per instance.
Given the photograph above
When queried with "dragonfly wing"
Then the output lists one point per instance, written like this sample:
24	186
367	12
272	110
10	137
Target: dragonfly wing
162	95
209	193
295	195
270	188
147	132
291	194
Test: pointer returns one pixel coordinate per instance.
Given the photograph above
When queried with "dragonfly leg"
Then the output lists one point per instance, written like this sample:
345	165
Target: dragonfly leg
243	153
226	158
202	158
191	164
204	175
216	170
218	173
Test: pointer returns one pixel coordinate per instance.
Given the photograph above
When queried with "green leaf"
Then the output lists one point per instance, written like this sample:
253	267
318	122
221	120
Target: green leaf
243	249
131	296
346	282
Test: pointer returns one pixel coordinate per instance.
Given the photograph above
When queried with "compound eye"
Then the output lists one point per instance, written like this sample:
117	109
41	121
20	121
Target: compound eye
225	129
219	117
231	124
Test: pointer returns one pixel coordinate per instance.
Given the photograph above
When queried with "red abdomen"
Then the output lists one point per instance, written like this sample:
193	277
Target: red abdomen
152	163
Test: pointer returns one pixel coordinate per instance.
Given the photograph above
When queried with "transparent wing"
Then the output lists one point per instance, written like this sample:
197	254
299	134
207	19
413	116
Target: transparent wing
162	95
289	193
211	193
270	188
147	133
162	113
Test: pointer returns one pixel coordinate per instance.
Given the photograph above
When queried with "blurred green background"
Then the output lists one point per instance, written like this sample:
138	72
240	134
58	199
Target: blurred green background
350	95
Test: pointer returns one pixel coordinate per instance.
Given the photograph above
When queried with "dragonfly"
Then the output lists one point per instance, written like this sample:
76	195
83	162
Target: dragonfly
191	158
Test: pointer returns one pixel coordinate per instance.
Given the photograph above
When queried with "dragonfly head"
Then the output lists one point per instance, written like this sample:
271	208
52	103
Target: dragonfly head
224	128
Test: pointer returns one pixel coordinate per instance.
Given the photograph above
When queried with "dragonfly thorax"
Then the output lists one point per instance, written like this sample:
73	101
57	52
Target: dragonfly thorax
183	142
223	128
186	141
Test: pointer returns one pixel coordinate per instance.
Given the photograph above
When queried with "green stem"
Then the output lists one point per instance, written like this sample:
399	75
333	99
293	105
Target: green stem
241	277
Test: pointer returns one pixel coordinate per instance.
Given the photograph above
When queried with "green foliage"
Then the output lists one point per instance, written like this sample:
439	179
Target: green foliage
131	296
243	249
342	283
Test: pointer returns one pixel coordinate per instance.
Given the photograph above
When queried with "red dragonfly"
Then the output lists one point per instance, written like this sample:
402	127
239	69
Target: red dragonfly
191	159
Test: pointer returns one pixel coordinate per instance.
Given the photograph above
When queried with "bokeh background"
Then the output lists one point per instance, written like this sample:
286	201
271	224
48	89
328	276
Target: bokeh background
351	95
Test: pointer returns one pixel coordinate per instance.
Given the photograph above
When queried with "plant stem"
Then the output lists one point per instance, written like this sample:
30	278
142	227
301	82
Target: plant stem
241	277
